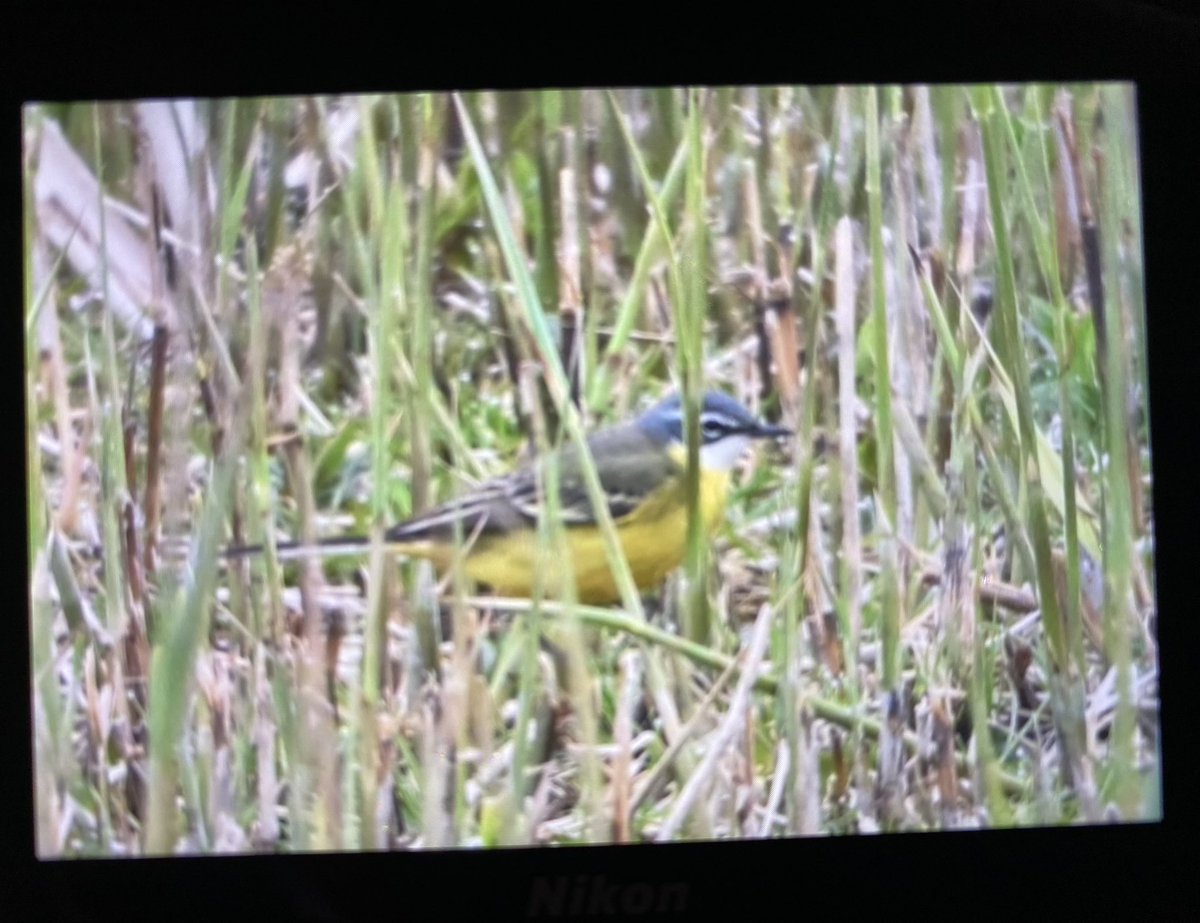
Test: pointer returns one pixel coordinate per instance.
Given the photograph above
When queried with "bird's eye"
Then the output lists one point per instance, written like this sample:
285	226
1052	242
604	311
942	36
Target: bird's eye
712	428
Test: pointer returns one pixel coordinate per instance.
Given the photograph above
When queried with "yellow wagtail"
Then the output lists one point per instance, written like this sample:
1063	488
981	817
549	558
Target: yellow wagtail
641	465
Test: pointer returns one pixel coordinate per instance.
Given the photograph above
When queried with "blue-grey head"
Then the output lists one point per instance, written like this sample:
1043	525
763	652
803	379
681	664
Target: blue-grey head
726	428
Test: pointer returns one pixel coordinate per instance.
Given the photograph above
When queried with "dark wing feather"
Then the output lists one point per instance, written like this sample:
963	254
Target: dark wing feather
474	511
630	465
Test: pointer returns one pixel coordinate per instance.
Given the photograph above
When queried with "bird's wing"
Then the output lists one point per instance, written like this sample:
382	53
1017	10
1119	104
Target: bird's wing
630	467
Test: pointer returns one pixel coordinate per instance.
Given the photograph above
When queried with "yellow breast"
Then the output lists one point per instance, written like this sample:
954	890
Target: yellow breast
653	537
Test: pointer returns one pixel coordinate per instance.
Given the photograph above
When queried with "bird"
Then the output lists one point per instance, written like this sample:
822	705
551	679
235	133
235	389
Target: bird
641	464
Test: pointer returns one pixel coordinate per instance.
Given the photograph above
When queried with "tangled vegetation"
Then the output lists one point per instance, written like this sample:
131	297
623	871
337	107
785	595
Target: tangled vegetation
931	608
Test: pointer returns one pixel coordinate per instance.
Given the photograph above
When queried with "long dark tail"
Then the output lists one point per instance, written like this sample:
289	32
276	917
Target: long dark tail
322	548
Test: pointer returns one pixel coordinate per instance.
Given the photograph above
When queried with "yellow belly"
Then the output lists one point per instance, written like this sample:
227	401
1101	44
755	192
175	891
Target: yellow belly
653	537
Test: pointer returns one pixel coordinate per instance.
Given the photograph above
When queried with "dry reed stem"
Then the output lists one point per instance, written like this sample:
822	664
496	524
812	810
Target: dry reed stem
844	315
725	734
570	275
678	737
622	778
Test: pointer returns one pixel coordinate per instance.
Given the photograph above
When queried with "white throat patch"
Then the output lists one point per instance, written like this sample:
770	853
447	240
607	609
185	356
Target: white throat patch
723	454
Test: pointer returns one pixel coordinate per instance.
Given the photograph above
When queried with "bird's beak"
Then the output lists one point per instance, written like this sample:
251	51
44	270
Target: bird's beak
768	431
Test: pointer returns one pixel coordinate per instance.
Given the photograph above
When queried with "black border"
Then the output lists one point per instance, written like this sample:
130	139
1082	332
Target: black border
97	51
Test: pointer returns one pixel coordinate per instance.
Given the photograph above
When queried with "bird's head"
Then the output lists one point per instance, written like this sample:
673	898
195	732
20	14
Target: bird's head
726	428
